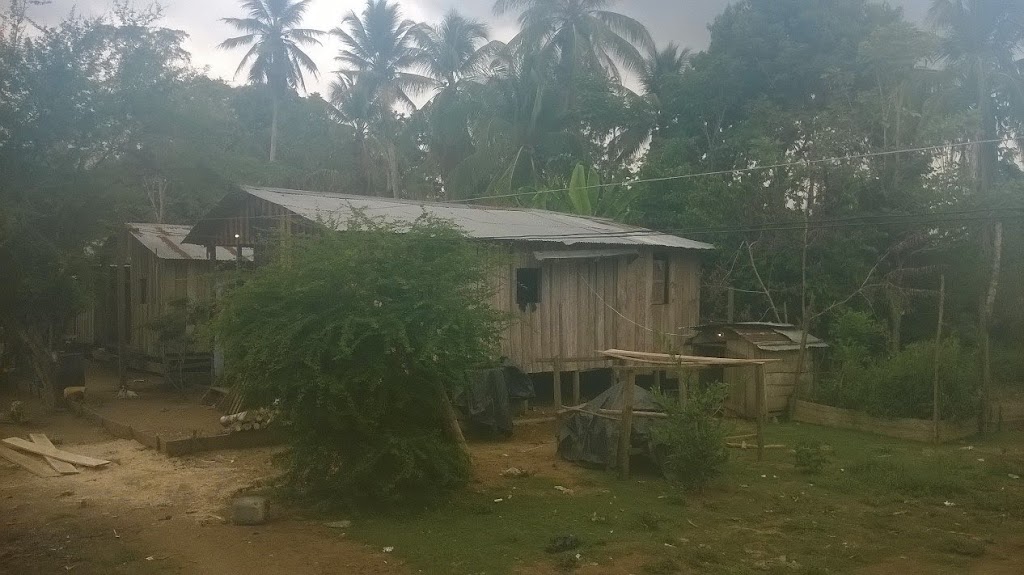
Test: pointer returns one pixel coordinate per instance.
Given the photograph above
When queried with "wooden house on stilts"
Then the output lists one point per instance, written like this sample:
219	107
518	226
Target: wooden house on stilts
572	284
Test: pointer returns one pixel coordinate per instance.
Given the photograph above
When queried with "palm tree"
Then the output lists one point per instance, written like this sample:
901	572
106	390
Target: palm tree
378	50
456	56
455	50
520	129
275	57
980	41
579	33
660	76
661	69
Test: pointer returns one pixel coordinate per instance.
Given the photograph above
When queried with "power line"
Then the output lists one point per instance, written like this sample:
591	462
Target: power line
833	159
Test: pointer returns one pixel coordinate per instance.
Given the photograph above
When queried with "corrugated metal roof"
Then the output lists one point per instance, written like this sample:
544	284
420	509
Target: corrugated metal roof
769	336
164	240
480	222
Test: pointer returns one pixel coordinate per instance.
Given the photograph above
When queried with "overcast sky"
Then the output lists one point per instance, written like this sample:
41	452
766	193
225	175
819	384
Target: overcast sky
682	21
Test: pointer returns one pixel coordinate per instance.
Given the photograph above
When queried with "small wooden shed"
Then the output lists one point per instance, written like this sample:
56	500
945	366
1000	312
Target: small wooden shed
159	269
755	340
572	284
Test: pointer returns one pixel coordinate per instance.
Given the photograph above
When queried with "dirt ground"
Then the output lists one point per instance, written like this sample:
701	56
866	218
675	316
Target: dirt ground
157	411
147	513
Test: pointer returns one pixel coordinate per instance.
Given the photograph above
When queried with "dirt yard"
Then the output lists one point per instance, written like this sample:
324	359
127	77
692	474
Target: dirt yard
882	506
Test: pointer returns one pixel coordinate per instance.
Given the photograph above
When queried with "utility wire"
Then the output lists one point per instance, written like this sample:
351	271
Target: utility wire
834	159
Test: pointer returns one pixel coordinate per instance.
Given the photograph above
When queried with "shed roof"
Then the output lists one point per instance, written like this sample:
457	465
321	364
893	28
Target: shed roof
165	241
767	336
479	222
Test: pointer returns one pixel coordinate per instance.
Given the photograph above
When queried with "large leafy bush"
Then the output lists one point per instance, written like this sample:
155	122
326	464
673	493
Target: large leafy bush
691	440
360	335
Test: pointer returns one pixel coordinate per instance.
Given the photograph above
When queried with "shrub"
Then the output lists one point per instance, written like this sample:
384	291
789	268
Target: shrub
360	335
691	440
901	385
811	458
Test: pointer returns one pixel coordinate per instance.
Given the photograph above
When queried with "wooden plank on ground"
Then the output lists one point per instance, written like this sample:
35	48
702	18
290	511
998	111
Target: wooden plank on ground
32	464
62	455
61	466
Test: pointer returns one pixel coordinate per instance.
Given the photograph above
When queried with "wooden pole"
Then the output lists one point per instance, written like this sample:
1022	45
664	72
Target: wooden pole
626	424
731	306
938	344
121	293
576	386
759	377
452	420
684	377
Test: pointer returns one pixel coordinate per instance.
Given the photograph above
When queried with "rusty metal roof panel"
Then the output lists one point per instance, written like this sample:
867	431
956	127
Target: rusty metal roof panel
480	222
165	241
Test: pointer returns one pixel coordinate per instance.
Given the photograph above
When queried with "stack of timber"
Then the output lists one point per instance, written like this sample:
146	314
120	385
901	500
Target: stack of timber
249	420
41	457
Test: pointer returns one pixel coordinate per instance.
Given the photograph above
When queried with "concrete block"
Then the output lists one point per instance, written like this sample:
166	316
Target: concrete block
249	510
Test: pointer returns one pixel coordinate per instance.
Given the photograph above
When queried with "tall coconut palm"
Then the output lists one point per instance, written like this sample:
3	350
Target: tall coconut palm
660	76
275	57
456	56
579	33
455	50
980	41
378	50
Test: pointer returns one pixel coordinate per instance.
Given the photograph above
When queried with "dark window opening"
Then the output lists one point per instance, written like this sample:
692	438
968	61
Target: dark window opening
143	291
661	284
527	286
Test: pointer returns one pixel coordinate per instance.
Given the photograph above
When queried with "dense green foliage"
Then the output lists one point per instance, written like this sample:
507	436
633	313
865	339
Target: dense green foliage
829	149
691	440
357	336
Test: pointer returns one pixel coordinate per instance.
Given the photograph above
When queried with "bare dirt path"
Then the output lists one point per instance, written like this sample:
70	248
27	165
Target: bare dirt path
147	513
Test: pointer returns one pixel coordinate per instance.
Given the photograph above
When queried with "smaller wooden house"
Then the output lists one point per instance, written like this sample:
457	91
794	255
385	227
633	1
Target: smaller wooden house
752	340
159	270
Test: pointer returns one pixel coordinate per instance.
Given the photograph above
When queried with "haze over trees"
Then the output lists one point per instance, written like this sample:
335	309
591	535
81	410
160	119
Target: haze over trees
777	143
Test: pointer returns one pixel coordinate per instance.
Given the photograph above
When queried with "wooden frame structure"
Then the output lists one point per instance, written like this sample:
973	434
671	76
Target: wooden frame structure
632	363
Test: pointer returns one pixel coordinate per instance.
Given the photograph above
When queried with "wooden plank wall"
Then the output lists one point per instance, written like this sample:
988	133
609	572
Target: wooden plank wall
166	280
778	377
605	303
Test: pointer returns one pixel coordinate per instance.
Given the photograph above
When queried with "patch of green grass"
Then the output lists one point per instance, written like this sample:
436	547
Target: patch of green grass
877	498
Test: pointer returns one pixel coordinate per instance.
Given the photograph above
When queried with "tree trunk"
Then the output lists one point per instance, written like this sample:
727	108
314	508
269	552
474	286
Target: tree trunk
274	104
985	323
41	357
452	420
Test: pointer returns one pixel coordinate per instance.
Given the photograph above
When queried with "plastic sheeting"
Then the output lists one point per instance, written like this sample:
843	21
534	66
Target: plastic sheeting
592	439
486	400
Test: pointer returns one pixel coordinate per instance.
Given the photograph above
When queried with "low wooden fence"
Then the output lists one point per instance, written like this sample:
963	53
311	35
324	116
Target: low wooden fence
903	428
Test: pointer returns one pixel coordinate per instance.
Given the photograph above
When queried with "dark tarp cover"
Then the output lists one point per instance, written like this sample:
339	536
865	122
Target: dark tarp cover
486	399
588	438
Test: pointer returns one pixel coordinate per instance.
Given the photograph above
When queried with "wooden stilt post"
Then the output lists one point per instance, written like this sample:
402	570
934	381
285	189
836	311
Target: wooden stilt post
576	386
935	378
626	424
122	292
558	361
760	391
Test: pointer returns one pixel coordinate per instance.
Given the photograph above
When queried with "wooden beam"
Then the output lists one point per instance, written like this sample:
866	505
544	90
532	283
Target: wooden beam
83	460
61	466
626	425
31	464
